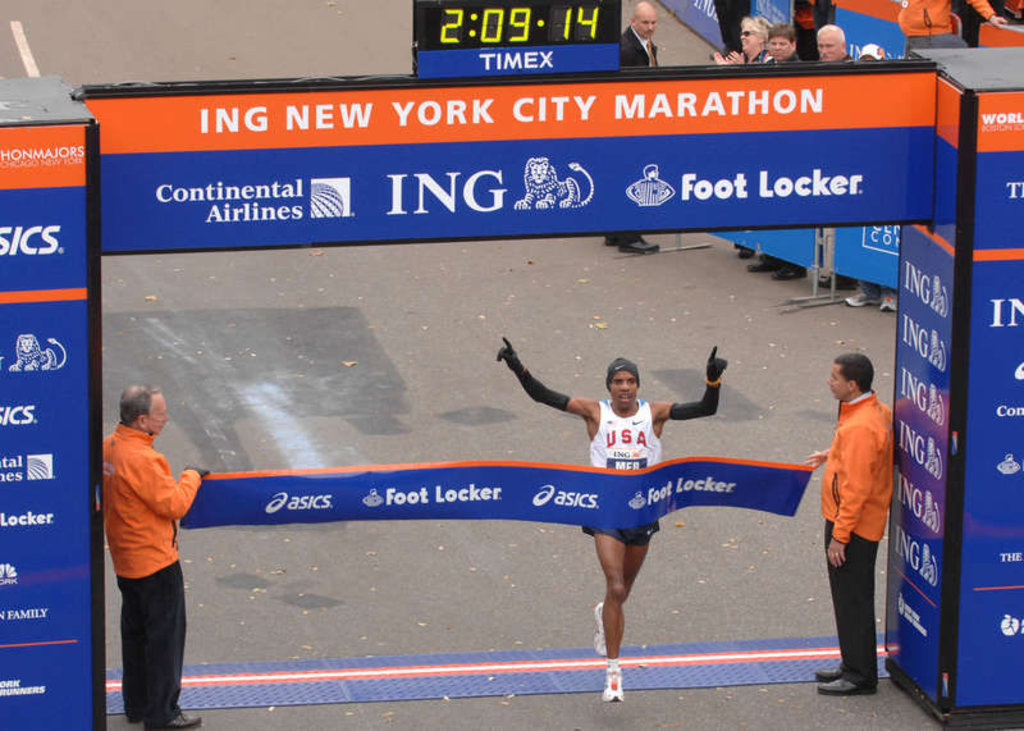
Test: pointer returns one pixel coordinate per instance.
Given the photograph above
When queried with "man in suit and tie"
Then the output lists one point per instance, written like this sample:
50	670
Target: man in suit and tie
636	48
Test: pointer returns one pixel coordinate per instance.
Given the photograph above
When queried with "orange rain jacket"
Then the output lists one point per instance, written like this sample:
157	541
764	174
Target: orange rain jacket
857	487
931	17
142	503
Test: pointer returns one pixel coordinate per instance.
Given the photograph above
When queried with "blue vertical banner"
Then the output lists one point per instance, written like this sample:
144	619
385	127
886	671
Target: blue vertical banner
921	414
871	21
870	253
991	624
46	582
700	15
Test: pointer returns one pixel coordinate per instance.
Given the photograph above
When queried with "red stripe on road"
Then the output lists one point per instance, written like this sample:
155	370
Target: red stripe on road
420	671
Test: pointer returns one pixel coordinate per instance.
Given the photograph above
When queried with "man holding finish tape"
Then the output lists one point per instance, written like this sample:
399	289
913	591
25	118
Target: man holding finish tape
624	434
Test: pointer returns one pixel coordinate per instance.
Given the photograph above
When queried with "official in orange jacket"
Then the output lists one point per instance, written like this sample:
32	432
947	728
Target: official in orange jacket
927	23
855	495
142	504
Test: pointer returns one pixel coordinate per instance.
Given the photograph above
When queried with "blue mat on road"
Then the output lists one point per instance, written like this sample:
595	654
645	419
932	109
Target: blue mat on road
476	674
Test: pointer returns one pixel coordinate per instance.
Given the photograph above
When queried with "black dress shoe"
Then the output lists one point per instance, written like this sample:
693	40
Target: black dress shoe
744	252
787	273
842	686
134	719
639	247
180	721
763	266
827	675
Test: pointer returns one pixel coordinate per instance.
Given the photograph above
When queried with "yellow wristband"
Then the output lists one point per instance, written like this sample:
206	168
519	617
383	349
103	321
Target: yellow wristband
716	383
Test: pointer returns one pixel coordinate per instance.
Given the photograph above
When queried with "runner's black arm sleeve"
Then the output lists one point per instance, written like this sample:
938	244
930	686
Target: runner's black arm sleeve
541	393
707	406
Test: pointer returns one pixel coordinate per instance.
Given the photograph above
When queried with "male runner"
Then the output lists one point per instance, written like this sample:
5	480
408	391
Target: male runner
624	434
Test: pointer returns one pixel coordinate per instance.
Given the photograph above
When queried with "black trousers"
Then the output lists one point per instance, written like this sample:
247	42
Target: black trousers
153	644
853	600
730	13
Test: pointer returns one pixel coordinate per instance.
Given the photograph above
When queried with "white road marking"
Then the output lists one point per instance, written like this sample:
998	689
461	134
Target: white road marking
26	53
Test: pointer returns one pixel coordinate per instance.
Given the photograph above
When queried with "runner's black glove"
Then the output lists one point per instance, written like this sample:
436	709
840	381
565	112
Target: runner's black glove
716	366
511	358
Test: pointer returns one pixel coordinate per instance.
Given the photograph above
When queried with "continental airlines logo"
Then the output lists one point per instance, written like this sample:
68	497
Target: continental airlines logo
29	467
220	202
38	157
330	198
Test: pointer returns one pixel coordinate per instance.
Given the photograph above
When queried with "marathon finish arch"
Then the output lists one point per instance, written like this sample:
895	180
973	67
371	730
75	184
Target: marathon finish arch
225	165
937	142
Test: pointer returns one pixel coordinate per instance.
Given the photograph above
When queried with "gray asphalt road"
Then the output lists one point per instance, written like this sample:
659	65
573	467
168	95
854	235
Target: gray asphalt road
251	350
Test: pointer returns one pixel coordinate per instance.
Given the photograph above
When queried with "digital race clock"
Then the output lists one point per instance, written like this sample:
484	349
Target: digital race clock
505	37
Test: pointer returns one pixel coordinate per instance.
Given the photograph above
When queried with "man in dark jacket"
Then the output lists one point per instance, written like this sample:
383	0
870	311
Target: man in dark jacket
636	48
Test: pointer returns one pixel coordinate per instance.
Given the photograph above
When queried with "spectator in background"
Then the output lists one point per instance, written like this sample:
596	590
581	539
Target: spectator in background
832	44
832	49
927	23
782	44
753	49
871	52
637	49
824	13
871	293
782	49
803	21
753	42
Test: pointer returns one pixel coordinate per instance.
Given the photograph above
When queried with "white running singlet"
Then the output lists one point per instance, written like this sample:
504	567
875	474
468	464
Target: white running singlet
627	443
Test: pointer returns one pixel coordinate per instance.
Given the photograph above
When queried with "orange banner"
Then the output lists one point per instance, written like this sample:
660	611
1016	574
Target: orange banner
947	115
514	112
43	295
1001	121
42	157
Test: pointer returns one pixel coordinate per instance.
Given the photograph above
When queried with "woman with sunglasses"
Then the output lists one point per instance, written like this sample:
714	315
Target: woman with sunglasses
753	40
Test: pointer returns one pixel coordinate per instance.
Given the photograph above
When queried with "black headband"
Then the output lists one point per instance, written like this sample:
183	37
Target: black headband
621	364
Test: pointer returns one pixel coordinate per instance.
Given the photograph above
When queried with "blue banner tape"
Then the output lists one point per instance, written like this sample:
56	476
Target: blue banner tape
548	493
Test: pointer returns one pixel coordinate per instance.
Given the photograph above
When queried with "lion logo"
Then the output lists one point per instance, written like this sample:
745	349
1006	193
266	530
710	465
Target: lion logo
32	357
544	191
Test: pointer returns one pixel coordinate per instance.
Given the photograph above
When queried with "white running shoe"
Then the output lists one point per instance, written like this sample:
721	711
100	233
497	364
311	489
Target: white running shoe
612	687
599	644
888	303
861	299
